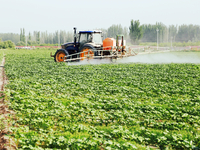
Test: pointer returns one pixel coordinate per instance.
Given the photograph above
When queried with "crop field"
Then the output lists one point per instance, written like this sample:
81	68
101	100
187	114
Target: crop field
106	106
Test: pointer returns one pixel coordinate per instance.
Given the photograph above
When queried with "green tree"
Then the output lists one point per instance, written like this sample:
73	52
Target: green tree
125	32
172	33
114	30
23	36
7	44
34	43
135	31
21	43
29	42
38	37
187	33
10	44
29	36
55	37
1	44
10	36
150	33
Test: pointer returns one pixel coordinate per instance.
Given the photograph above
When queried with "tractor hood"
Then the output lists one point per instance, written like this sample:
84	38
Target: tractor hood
68	44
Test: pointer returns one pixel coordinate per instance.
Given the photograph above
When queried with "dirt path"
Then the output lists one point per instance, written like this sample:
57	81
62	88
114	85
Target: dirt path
6	143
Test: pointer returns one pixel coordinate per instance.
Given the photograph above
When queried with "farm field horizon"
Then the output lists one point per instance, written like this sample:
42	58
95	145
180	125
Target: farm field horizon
103	106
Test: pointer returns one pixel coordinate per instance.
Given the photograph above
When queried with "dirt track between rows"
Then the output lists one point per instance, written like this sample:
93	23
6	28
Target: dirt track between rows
6	142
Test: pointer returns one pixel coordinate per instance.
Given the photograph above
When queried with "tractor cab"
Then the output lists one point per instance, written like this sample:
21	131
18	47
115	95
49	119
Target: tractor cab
93	38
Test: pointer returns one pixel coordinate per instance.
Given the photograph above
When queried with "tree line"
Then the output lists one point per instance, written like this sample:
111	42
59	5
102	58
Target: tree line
148	32
39	38
134	34
182	33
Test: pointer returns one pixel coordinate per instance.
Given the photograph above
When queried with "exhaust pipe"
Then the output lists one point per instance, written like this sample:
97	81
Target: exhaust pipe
74	36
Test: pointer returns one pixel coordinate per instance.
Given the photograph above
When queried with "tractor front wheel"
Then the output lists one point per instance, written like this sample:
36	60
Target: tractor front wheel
60	55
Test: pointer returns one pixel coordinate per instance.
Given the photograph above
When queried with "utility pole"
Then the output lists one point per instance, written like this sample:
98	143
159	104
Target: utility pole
157	37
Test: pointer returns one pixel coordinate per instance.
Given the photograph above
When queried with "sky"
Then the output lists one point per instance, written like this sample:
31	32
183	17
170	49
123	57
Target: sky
53	15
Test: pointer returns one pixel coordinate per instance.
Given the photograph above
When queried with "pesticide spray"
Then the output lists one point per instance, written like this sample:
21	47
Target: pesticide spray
151	58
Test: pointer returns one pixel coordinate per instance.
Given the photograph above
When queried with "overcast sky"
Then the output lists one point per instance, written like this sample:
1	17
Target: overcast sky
52	15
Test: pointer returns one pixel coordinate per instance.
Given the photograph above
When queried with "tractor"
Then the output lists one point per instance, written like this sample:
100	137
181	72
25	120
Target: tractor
88	42
90	45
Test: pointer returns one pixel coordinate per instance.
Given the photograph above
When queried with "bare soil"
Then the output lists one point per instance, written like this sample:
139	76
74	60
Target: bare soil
6	142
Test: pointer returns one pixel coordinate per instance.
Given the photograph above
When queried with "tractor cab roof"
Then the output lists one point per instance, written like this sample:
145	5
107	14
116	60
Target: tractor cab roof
95	31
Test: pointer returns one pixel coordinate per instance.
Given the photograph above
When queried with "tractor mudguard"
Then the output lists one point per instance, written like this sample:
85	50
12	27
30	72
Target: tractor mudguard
87	45
88	50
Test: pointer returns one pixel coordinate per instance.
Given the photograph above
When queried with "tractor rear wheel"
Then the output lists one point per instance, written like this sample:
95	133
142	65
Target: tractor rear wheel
60	55
88	52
